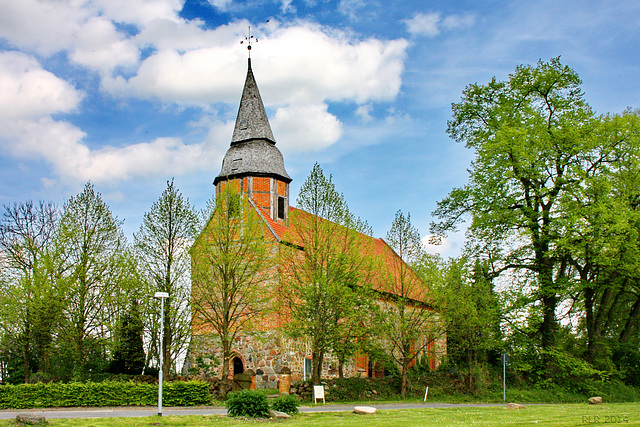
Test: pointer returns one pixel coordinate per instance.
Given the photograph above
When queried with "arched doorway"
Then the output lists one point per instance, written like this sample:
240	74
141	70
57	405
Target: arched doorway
241	378
238	366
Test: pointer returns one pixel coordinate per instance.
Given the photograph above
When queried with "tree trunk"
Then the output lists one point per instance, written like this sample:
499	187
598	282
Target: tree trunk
316	371
167	341
226	383
631	321
405	381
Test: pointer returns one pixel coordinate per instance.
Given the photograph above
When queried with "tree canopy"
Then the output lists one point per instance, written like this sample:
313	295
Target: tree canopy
551	191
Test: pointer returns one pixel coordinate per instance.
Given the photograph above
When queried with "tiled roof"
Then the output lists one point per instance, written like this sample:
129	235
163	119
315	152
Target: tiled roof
394	266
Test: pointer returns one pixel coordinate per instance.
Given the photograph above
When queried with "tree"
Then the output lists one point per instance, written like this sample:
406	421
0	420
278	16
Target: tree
128	353
30	309
232	263
470	314
93	246
529	134
328	269
601	235
407	314
162	249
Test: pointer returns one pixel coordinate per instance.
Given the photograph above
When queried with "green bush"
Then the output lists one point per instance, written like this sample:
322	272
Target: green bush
108	393
351	389
247	403
287	403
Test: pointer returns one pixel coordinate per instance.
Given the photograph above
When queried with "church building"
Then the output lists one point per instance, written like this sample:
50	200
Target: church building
256	166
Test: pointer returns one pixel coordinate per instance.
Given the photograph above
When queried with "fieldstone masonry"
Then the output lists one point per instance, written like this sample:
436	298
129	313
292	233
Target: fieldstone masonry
269	355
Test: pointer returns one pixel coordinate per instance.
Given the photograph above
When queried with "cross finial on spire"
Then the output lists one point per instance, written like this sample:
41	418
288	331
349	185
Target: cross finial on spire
249	39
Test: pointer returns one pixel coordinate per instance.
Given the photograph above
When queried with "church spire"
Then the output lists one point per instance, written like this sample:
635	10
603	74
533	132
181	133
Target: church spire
253	151
252	122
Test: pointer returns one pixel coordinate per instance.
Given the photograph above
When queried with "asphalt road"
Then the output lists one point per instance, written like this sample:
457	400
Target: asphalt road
205	410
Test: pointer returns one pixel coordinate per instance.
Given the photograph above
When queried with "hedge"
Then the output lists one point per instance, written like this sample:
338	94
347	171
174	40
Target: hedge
108	393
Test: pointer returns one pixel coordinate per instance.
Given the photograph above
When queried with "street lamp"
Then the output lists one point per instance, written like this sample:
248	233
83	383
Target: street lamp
162	296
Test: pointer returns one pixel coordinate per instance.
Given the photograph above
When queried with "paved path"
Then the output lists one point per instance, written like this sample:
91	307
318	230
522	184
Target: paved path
206	410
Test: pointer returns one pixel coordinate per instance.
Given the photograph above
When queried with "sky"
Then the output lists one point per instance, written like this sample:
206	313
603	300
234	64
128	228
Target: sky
128	94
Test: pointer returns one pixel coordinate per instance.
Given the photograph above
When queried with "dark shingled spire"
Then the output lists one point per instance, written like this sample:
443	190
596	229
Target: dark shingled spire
252	122
253	151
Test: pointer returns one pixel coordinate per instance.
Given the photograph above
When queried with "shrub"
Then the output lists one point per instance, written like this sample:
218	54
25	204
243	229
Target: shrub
108	393
247	403
287	403
350	389
574	374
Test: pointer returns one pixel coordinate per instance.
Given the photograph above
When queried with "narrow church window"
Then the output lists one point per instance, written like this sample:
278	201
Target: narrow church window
307	368
281	207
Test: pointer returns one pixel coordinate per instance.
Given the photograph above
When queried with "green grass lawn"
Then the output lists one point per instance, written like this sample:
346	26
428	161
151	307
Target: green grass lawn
545	415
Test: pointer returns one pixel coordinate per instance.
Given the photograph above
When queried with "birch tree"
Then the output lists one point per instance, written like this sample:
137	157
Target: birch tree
162	249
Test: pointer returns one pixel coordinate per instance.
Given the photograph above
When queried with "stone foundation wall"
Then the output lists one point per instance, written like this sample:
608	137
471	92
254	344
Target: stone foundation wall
267	354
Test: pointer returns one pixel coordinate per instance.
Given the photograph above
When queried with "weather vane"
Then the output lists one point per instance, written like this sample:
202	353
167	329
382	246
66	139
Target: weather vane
249	39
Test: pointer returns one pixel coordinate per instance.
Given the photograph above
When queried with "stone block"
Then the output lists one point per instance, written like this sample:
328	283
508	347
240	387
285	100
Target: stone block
514	406
278	414
364	410
595	400
31	419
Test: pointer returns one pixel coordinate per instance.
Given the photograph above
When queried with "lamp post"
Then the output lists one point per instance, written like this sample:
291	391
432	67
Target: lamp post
505	358
162	296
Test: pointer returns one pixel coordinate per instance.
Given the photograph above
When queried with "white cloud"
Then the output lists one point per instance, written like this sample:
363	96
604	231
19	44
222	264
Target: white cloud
48	27
45	26
28	91
286	6
220	4
101	46
27	130
198	77
351	8
458	21
431	24
359	70
61	144
328	65
139	12
364	112
186	64
305	127
424	24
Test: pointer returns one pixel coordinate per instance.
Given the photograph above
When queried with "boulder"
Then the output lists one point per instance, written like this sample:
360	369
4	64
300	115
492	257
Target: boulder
364	410
31	419
595	400
278	414
514	406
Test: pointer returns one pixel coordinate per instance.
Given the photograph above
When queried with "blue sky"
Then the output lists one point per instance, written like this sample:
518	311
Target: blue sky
128	94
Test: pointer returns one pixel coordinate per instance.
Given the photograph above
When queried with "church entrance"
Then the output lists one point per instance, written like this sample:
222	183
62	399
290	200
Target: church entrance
241	379
238	366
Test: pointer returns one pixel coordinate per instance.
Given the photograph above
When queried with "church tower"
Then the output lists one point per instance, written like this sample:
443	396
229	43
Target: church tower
253	160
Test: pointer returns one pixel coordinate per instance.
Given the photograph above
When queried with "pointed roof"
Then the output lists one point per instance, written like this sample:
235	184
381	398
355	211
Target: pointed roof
252	122
253	149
